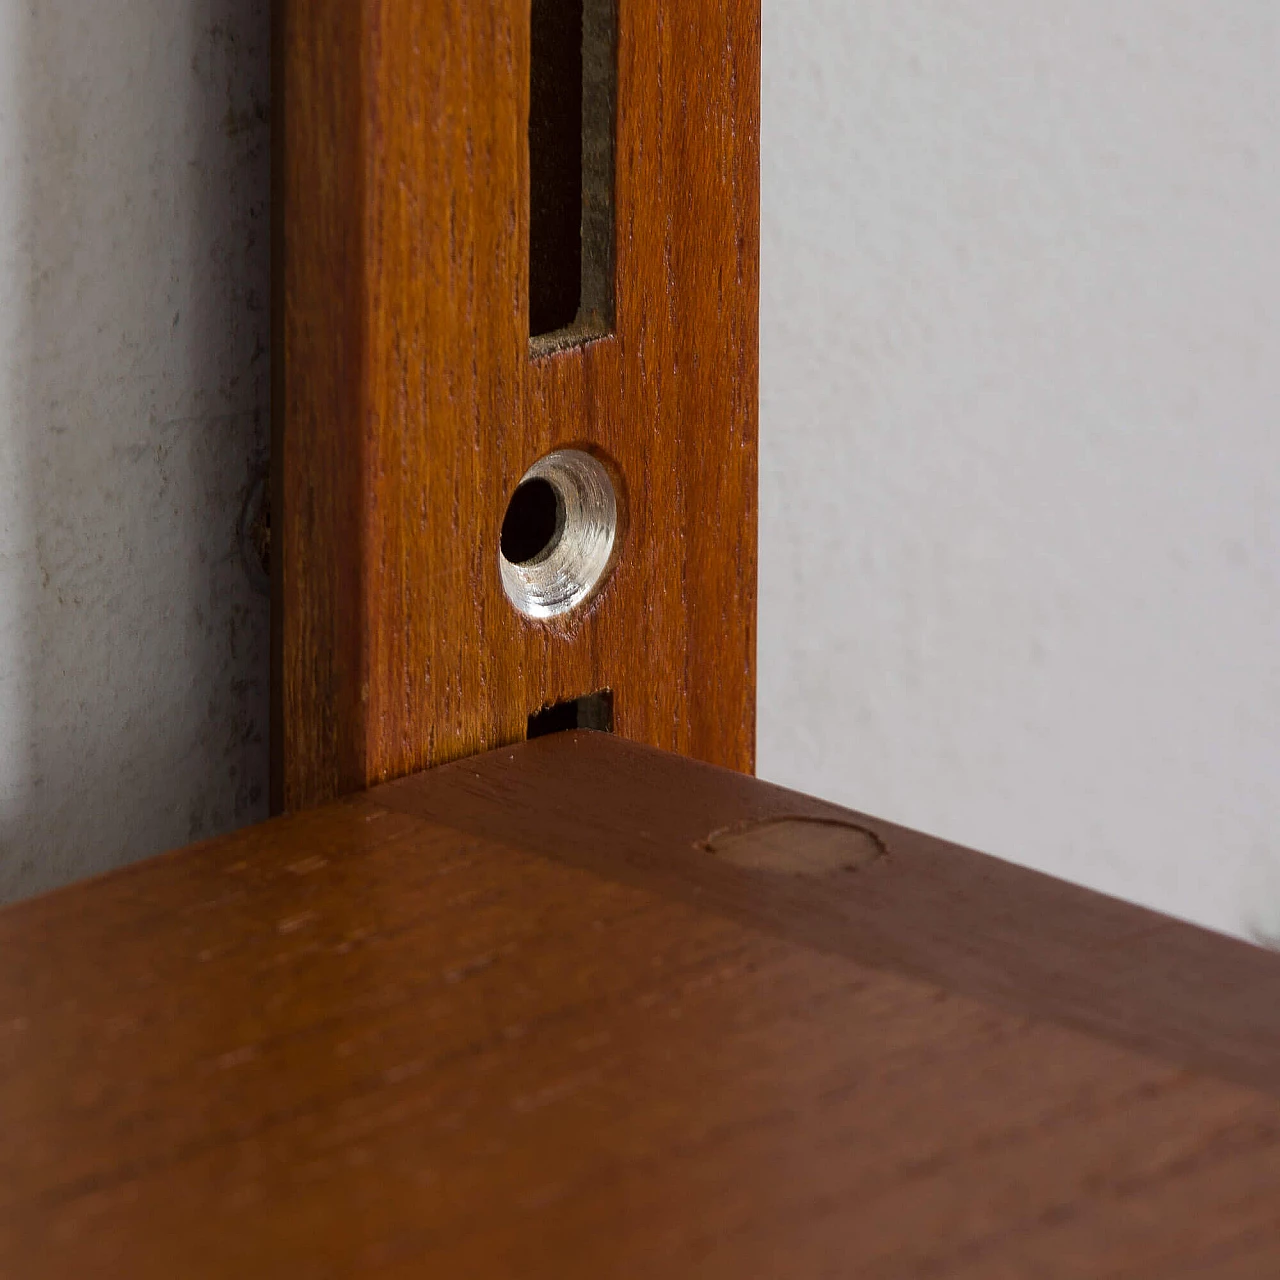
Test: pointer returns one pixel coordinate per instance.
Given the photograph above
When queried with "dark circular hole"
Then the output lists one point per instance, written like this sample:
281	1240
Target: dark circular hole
532	522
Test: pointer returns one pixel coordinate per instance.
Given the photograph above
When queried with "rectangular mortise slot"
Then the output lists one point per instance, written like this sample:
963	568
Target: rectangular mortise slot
572	89
594	711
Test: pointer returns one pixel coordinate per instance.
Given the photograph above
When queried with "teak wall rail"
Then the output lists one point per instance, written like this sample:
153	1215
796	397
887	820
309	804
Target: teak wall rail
409	404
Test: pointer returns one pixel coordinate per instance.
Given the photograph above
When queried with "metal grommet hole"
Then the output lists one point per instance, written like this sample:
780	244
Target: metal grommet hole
533	523
558	534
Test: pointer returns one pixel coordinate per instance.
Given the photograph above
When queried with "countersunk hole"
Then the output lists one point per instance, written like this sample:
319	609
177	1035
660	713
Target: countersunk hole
533	523
557	541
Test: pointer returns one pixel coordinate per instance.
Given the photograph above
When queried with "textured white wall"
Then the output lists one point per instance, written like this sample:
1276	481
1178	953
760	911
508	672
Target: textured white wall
134	269
1020	577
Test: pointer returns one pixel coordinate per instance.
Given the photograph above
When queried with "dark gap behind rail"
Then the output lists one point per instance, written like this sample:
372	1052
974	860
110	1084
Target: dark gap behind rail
572	78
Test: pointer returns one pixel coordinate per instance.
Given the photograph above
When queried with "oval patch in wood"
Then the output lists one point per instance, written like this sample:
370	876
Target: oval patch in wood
797	846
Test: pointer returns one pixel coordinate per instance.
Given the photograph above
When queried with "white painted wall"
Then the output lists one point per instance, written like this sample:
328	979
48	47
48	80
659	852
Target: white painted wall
134	277
1021	432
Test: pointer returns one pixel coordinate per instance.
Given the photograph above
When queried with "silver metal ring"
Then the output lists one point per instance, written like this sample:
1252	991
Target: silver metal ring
576	545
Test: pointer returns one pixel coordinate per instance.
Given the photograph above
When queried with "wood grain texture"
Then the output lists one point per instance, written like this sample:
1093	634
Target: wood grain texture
391	1037
409	407
1001	933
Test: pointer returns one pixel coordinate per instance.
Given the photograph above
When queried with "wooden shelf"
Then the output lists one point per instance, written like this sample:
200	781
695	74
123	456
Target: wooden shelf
583	1008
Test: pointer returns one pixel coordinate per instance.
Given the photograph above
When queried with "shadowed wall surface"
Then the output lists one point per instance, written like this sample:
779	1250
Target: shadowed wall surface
134	273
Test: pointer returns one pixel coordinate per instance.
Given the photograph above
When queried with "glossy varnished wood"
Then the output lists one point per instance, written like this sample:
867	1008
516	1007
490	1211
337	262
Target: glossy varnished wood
516	1017
408	405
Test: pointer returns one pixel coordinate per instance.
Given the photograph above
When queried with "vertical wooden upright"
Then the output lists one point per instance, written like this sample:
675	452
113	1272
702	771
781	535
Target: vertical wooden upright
409	401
